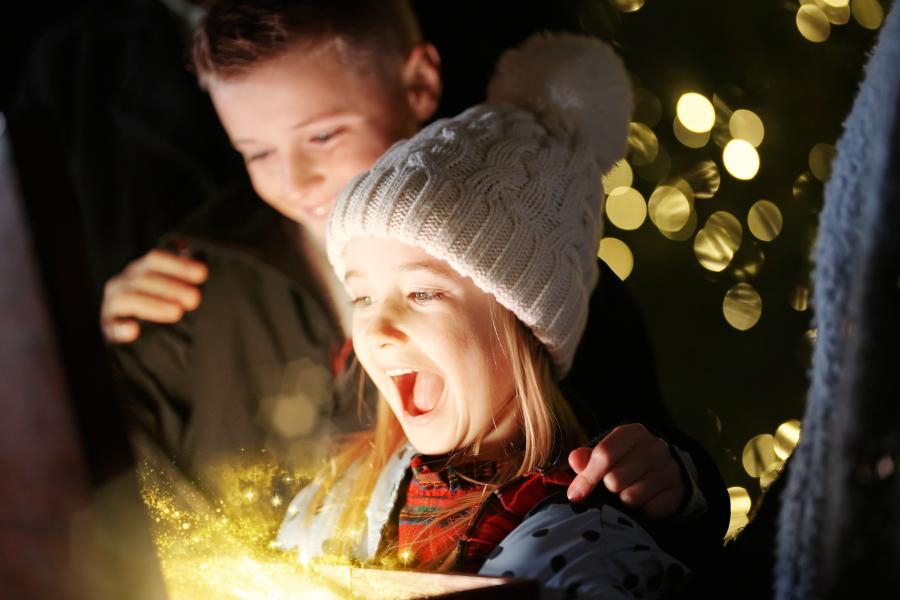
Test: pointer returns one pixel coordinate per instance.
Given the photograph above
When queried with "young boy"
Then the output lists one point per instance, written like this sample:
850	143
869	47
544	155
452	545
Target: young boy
243	346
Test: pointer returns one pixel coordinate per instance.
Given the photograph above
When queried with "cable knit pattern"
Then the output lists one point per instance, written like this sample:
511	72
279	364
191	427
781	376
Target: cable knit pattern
507	197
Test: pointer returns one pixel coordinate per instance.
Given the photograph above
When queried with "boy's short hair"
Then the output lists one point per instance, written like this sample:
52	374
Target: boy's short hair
235	35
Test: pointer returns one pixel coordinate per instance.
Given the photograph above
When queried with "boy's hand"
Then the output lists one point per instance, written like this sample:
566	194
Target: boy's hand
636	465
158	287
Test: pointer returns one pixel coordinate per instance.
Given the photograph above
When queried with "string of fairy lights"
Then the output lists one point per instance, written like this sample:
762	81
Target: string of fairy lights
733	141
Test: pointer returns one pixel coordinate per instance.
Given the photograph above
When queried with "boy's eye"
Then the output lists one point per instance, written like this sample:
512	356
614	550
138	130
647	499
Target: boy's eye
424	297
324	136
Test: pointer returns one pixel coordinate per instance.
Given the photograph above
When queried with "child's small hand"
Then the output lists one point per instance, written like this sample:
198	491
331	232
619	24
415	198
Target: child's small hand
636	465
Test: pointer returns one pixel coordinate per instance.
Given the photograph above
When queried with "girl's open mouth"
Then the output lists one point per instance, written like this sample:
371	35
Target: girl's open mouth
420	391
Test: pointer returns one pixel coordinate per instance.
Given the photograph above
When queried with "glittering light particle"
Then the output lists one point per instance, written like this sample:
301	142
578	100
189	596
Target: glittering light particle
736	523
800	298
741	159
764	221
786	438
628	6
617	255
740	500
642	144
868	13
746	125
729	224
277	501
619	176
802	187
837	15
759	455
836	3
812	23
769	476
626	208
695	112
688	138
820	158
669	208
742	307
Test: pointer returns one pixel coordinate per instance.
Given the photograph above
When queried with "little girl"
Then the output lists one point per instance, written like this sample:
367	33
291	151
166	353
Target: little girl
470	254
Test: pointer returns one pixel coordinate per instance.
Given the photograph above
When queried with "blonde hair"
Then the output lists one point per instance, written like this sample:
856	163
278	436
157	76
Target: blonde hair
548	428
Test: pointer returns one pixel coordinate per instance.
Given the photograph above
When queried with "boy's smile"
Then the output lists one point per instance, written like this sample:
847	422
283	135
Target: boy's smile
306	123
426	337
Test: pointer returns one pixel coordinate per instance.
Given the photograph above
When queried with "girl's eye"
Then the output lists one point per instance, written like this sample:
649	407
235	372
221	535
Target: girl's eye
257	156
424	297
362	301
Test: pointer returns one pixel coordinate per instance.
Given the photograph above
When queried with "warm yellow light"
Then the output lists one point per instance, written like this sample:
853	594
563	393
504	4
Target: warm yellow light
628	6
619	176
800	298
669	208
759	455
703	178
746	125
689	138
837	15
685	232
642	144
820	159
742	308
729	224
741	159
740	500
836	3
786	438
736	523
813	24
764	221
868	13
617	255
711	250
695	112
626	208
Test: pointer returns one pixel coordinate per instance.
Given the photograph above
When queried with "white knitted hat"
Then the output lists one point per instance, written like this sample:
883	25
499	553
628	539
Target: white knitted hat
508	192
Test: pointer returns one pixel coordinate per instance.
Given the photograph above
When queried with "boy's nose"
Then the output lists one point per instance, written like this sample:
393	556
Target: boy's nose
300	180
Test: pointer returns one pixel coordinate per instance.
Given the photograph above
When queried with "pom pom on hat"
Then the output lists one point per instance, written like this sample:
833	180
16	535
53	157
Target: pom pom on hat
576	78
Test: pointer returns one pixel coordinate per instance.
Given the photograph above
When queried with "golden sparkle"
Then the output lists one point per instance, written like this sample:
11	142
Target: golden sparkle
688	138
695	112
703	178
746	125
617	255
800	298
764	221
628	6
626	208
742	306
812	23
685	232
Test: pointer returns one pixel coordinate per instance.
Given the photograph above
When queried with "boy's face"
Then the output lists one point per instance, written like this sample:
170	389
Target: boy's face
306	124
426	338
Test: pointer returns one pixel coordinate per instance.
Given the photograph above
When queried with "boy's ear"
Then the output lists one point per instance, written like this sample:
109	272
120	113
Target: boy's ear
422	81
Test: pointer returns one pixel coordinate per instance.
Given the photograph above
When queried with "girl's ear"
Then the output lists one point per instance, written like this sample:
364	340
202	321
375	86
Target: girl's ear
422	81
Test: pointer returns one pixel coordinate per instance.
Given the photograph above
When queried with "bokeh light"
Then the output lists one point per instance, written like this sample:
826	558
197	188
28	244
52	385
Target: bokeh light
669	208
759	455
628	6
787	436
620	175
764	221
800	298
658	169
703	178
868	13
741	159
740	509
626	208
642	144
742	306
820	159
617	255
689	138
685	232
695	112
728	223
812	23
746	125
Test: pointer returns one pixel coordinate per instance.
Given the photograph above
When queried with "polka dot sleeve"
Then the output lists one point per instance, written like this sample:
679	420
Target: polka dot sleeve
592	553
